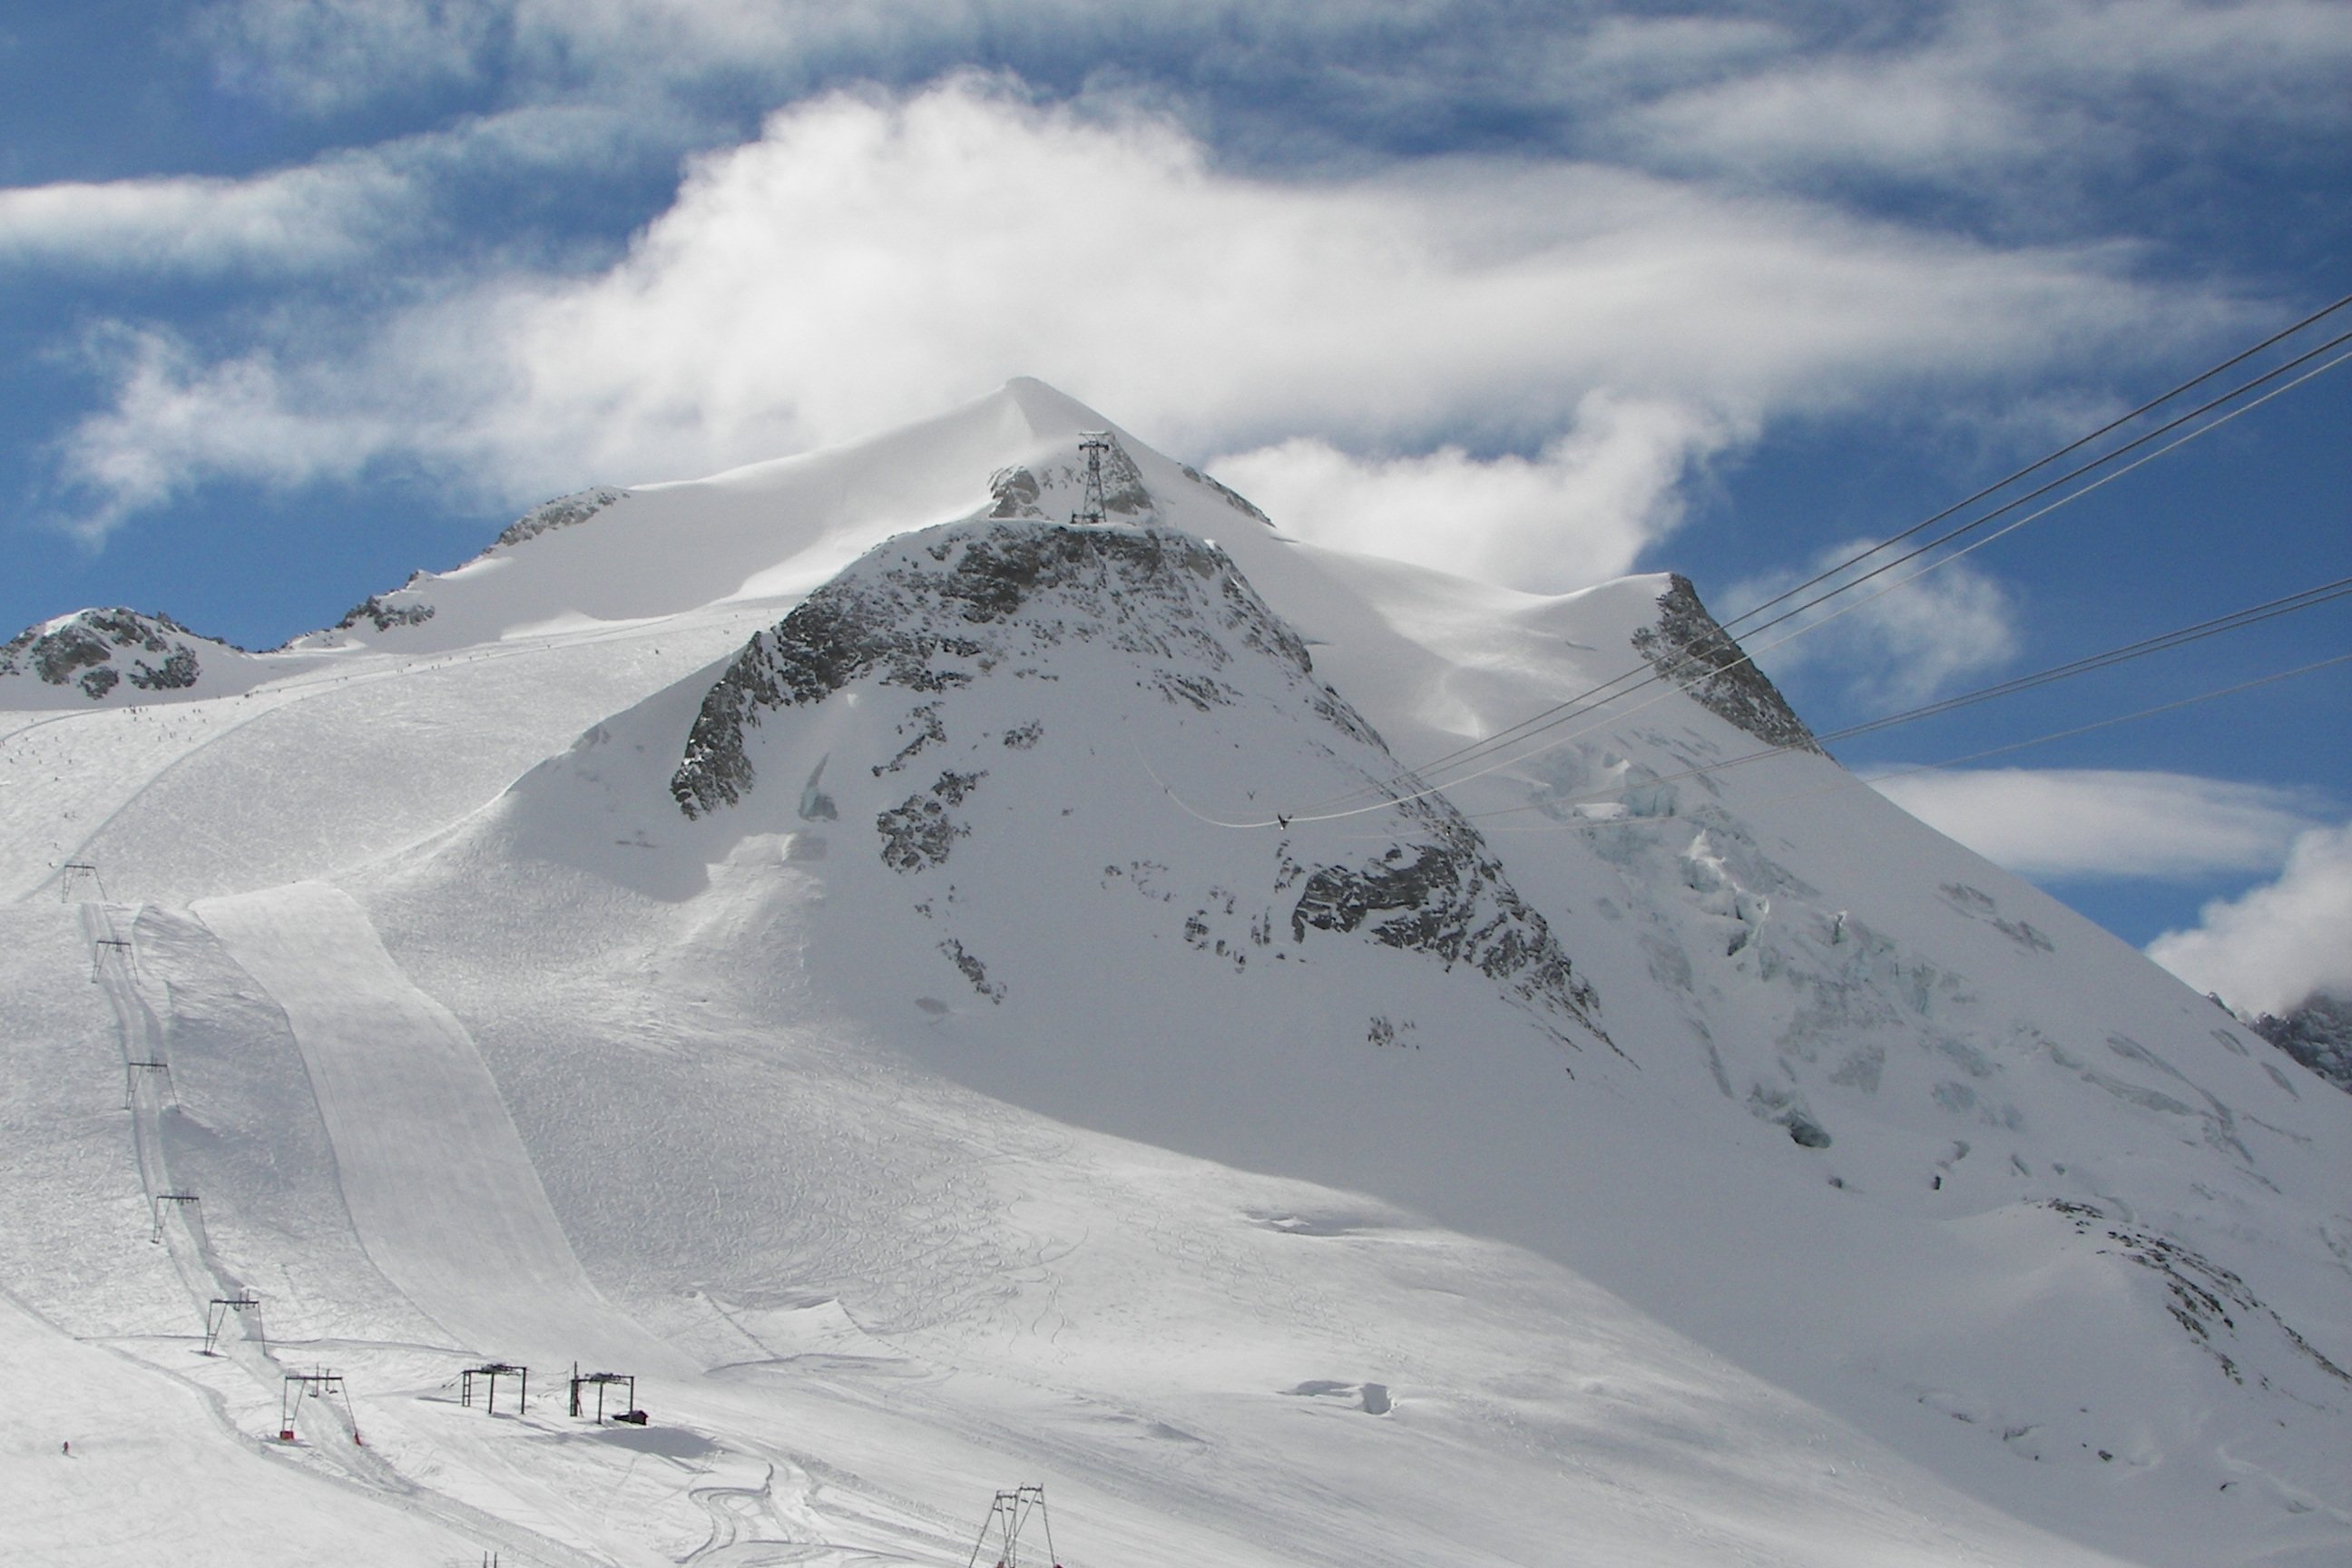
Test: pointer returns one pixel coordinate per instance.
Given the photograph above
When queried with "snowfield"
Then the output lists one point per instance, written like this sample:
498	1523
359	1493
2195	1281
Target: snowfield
950	997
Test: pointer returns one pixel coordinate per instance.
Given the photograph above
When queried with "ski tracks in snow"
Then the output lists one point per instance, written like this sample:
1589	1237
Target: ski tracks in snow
354	1467
435	1175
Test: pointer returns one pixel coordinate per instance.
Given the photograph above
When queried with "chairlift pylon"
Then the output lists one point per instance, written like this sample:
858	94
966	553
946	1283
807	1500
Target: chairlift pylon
314	1384
1009	1516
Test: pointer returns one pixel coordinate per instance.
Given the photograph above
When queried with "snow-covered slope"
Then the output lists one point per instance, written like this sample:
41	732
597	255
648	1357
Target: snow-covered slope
953	996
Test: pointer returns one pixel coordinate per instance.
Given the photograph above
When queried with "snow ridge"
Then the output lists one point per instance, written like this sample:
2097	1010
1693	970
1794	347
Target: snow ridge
561	513
938	611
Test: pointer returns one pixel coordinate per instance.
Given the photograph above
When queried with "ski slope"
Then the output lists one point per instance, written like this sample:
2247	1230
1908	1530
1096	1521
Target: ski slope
442	1194
1609	1163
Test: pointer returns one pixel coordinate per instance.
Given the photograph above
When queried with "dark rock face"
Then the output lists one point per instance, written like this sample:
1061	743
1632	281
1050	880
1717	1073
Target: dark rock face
176	673
1012	598
2318	1035
561	513
1015	493
1688	647
2212	1304
1443	894
384	615
942	614
97	650
918	834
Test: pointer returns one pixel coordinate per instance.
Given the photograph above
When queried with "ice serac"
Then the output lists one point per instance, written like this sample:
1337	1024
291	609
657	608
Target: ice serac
961	626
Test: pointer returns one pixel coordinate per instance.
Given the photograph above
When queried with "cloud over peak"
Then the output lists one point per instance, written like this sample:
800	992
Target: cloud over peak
2269	949
875	253
2104	822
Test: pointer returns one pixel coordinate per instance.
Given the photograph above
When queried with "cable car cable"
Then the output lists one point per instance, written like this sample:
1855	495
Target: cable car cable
1600	694
1580	706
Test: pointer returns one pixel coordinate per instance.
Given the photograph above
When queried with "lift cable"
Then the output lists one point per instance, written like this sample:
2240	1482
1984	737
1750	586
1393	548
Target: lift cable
1592	701
2040	463
2236	620
1848	779
1600	694
2305	600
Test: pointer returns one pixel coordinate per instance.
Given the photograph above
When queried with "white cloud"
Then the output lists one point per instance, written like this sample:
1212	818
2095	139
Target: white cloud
287	220
323	55
1581	512
2271	950
178	422
1962	91
1888	647
1900	113
2106	823
345	211
1994	88
873	257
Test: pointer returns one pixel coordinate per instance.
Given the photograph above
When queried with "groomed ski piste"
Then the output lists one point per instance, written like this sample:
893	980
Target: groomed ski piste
802	939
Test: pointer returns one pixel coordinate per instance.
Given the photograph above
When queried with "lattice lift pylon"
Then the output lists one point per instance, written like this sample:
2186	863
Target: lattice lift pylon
118	945
1092	513
1011	1515
130	1071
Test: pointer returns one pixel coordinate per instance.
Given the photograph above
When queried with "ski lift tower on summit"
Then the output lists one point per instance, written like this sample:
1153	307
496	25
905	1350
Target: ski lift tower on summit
1094	446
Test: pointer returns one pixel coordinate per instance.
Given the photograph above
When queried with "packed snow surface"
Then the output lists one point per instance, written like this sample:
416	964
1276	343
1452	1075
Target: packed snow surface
953	975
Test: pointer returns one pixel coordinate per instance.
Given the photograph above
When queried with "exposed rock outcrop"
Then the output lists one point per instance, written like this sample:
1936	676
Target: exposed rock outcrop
1003	599
100	650
1688	647
2318	1035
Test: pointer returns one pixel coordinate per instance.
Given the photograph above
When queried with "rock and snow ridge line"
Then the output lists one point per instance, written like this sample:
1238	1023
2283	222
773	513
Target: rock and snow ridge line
93	656
1001	602
94	652
115	653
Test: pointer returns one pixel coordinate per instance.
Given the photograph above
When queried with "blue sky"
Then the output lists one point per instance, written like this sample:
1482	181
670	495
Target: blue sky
297	296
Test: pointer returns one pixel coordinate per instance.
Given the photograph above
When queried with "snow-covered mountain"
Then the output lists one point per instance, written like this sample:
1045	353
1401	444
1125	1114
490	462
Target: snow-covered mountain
956	976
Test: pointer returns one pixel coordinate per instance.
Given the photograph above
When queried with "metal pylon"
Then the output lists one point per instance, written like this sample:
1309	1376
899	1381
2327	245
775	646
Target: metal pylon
1020	1511
1094	447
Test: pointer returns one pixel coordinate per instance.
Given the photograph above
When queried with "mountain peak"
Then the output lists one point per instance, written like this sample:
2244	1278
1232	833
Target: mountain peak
993	651
1051	412
92	655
